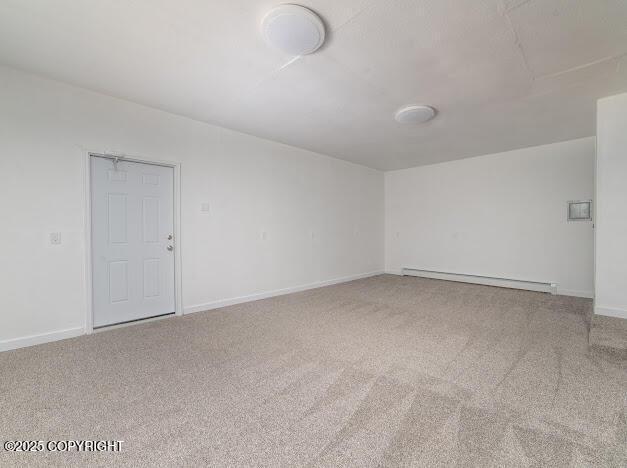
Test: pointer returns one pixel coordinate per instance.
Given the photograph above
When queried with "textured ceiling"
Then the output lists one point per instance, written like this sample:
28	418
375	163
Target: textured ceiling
504	74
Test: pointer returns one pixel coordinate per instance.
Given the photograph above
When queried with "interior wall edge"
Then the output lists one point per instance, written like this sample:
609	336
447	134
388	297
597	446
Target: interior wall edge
279	292
22	342
589	294
610	312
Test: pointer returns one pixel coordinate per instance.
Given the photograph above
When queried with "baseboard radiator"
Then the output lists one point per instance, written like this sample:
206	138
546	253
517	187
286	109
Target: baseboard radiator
540	286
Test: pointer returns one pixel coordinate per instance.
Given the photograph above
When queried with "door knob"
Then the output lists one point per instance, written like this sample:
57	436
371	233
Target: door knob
170	248
170	237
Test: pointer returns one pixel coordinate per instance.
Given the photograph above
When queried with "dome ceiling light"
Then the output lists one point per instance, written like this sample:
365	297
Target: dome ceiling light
294	29
415	114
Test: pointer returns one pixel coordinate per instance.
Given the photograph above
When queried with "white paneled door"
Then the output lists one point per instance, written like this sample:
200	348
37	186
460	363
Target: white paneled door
132	213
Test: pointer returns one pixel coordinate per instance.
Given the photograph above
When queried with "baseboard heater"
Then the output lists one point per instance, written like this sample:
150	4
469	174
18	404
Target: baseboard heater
540	286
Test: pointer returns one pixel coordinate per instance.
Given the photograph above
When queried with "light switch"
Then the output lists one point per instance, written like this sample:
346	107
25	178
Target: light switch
55	238
205	208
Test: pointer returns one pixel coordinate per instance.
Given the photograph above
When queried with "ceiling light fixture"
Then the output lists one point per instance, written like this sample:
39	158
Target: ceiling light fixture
415	114
293	29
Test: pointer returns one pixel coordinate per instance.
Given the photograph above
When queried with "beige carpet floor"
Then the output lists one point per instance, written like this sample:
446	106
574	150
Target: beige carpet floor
385	371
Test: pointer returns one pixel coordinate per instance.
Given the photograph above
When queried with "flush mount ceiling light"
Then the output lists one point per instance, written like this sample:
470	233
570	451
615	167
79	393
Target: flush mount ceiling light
293	29
415	114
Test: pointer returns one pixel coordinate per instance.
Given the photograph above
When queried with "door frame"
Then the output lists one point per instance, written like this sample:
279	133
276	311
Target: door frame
178	281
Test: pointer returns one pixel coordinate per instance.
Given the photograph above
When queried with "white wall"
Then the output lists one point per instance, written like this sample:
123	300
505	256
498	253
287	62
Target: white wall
611	207
323	217
501	215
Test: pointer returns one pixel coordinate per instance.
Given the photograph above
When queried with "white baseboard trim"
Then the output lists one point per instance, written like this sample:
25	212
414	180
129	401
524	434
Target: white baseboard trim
575	293
276	292
394	272
540	286
16	343
611	312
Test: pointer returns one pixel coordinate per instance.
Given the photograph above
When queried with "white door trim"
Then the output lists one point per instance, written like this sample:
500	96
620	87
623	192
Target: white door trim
178	279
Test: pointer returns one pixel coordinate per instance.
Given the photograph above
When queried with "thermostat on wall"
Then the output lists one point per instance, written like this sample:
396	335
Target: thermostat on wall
580	210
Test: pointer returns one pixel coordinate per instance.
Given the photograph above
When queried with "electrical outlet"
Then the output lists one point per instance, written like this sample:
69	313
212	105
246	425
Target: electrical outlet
55	238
